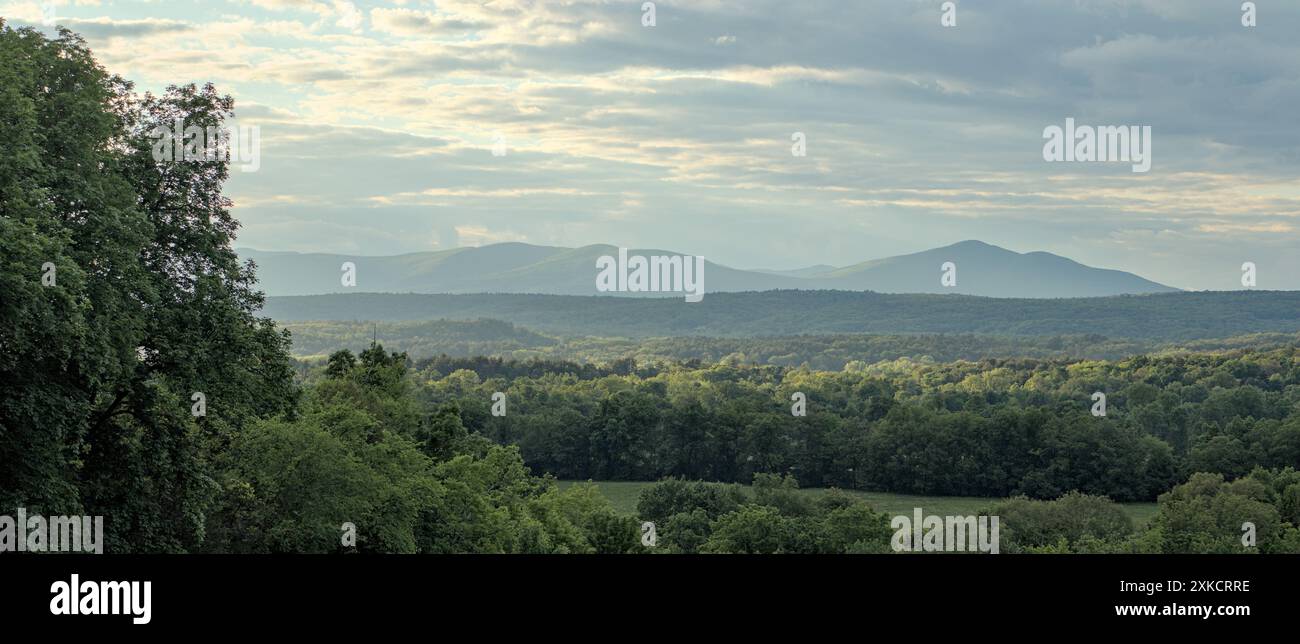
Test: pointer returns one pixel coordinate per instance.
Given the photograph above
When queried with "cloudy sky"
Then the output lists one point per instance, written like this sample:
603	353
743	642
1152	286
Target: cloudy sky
378	123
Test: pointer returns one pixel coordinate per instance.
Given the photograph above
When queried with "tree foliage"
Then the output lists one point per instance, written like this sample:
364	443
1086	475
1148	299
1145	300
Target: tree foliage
146	305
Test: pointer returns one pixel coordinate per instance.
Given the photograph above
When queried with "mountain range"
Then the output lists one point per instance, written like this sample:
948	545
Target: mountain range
981	269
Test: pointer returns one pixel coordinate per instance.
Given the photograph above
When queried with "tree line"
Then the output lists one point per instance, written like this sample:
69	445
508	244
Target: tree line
444	339
988	428
1161	317
1205	515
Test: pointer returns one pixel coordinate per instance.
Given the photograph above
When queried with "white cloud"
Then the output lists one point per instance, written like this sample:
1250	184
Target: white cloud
380	112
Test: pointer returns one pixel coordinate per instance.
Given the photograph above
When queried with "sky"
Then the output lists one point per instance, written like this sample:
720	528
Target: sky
398	127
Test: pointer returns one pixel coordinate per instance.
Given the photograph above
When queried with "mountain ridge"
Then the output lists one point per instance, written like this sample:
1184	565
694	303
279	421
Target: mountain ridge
981	269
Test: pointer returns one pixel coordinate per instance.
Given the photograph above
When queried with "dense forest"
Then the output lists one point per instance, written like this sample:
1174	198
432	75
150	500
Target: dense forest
833	352
141	381
1166	317
1214	437
989	428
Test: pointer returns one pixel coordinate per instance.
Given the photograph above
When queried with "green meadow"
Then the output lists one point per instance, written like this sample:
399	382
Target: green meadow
623	496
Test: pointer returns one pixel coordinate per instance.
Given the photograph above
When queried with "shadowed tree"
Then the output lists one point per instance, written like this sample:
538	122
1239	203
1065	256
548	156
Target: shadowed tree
147	304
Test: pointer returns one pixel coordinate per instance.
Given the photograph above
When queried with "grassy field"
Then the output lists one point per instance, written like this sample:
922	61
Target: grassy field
623	496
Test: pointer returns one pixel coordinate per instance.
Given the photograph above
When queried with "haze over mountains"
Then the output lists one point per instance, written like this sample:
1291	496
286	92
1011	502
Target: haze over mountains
982	269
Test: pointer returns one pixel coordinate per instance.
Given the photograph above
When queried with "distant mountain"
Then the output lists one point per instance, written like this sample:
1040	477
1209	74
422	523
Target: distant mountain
981	269
991	271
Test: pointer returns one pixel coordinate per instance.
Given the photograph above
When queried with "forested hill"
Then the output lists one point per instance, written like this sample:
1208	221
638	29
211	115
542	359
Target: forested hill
1164	317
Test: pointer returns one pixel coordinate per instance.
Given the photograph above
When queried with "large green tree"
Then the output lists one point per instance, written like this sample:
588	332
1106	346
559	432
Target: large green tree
120	300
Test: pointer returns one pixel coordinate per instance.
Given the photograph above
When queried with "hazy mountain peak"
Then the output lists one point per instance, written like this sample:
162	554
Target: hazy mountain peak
975	243
516	267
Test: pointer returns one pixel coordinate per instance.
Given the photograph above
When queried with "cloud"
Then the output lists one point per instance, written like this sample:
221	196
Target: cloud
411	22
109	28
679	135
